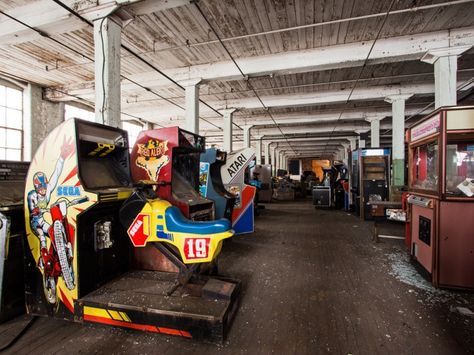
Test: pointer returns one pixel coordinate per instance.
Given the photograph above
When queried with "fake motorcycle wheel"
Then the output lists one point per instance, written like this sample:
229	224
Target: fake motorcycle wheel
49	286
64	261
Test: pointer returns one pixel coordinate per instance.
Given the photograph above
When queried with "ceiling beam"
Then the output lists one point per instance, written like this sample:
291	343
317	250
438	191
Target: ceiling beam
386	50
169	112
394	49
51	18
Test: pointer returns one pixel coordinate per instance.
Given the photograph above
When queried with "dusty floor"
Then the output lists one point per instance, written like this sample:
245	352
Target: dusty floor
313	282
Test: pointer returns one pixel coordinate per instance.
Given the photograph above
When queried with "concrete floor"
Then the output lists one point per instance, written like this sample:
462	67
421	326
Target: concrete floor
313	283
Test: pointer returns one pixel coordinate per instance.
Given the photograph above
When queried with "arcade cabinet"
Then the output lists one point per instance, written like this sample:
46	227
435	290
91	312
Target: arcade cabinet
441	195
79	256
322	194
341	180
171	157
233	175
210	182
264	172
370	178
12	233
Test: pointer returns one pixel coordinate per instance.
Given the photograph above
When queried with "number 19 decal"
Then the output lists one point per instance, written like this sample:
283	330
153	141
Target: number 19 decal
196	248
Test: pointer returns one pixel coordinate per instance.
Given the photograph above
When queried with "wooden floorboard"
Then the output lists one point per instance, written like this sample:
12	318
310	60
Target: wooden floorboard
313	283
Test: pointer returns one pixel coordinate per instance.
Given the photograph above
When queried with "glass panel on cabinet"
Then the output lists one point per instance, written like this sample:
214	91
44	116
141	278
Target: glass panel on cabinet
460	166
425	166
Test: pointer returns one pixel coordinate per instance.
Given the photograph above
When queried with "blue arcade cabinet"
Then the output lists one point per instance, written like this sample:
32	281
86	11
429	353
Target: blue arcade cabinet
210	182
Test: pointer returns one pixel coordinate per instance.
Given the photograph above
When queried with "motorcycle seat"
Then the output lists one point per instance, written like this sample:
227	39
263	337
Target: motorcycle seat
176	222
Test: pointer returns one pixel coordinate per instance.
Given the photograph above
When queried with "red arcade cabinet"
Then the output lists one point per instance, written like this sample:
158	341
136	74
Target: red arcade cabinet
441	182
171	156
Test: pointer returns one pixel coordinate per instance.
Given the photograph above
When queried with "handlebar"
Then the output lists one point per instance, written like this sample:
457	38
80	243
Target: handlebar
78	201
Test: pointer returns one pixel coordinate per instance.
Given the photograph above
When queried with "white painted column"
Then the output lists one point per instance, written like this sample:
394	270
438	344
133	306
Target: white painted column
277	159
247	129
353	143
266	149
191	101
227	116
149	126
361	139
107	40
273	155
374	131
345	156
258	150
398	137
445	62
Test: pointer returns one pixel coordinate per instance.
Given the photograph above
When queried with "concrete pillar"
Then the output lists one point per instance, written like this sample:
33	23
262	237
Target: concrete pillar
258	150
247	129
345	155
445	62
362	137
273	156
374	131
398	138
149	126
266	150
227	116
191	101
40	117
107	40
353	143
277	159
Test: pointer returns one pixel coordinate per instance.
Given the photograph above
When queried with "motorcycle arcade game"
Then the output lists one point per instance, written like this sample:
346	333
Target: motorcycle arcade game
210	182
441	196
79	259
233	177
370	178
170	157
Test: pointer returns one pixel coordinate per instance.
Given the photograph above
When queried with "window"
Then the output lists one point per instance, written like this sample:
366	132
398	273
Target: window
133	130
76	112
11	123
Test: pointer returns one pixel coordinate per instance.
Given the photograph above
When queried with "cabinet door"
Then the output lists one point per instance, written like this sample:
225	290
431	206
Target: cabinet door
456	245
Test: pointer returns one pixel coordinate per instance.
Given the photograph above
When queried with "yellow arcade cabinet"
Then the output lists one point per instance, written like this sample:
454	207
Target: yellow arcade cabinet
79	255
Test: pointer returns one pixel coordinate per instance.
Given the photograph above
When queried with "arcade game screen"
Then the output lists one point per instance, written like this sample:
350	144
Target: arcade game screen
425	171
103	157
185	182
460	166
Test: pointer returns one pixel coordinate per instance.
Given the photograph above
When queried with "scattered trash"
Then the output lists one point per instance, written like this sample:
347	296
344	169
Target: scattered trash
404	271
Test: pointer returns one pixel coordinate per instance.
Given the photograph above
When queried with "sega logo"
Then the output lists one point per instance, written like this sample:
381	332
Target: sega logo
68	191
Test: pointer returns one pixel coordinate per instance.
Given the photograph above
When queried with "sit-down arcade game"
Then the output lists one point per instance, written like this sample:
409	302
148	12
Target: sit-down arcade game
210	182
78	199
233	177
